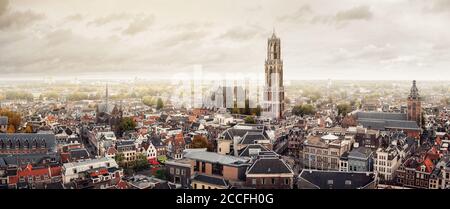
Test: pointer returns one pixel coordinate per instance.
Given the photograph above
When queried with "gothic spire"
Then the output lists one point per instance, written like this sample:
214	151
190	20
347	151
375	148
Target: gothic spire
414	94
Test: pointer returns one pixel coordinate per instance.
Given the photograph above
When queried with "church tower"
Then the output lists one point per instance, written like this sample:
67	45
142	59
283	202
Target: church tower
414	111
273	90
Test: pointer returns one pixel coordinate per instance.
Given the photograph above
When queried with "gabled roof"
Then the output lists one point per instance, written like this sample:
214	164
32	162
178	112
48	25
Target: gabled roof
28	140
337	179
211	180
269	165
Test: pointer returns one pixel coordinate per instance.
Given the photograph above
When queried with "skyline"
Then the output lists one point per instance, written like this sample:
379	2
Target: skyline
352	40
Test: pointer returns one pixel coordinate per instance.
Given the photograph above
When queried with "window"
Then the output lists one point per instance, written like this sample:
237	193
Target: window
171	170
348	182
203	186
263	181
74	170
195	186
197	165
183	172
177	171
273	180
330	182
254	181
286	181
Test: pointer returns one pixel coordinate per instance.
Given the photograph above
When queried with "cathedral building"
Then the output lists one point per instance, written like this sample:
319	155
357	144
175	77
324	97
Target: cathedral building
273	105
389	121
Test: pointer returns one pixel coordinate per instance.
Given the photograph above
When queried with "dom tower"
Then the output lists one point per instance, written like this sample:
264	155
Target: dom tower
273	90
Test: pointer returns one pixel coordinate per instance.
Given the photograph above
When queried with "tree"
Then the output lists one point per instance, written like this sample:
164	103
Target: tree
161	174
126	124
249	120
302	110
29	129
149	100
159	104
199	141
77	96
344	109
11	129
120	158
257	111
141	162
14	119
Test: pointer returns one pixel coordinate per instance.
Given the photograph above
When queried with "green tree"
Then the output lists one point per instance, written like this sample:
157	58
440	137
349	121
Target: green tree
256	111
149	100
120	159
159	104
344	109
161	174
141	162
302	110
249	120
127	124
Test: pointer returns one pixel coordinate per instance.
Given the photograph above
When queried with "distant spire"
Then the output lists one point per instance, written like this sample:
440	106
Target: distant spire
273	32
414	94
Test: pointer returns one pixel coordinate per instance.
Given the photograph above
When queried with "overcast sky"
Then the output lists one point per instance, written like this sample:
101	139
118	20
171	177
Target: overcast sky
321	39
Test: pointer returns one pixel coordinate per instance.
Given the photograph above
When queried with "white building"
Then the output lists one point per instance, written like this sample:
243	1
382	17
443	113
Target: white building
72	170
386	162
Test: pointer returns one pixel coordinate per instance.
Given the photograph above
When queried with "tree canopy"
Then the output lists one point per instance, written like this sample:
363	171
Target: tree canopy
127	124
159	104
199	141
249	120
302	110
344	109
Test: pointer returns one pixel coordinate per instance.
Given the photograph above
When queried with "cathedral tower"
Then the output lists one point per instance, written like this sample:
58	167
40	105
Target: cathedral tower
414	111
273	90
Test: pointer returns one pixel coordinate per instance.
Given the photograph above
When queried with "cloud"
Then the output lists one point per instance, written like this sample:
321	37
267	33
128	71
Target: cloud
437	6
139	24
74	18
183	38
100	21
19	19
305	14
16	19
356	13
3	6
240	33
